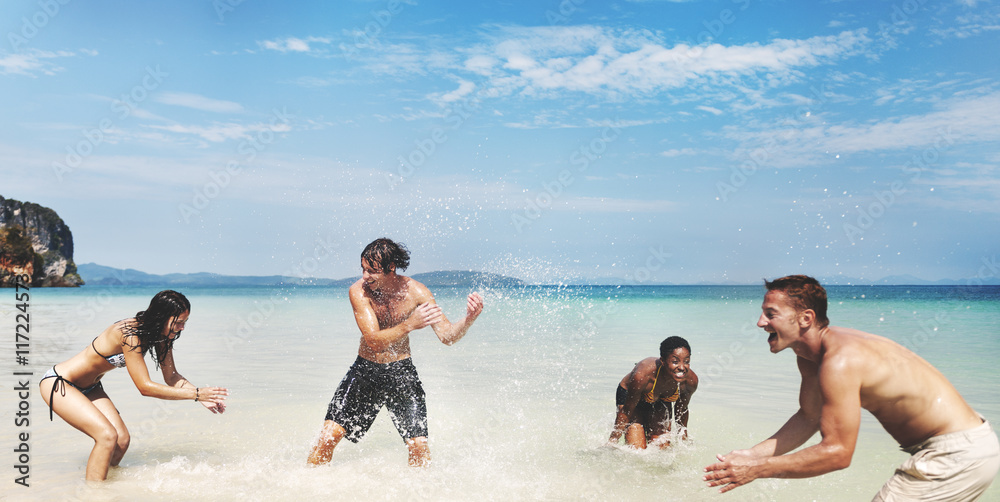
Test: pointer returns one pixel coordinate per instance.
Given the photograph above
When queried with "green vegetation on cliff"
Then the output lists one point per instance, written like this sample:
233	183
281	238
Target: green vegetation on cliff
35	241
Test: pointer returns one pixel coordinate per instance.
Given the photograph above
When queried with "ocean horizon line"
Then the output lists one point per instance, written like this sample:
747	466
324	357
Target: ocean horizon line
101	275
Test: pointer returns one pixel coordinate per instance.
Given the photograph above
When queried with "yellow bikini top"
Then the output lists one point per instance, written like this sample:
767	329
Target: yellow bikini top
649	397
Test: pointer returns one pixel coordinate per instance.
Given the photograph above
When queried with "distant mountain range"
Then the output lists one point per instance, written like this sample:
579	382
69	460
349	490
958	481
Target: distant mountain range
100	275
909	280
840	280
97	275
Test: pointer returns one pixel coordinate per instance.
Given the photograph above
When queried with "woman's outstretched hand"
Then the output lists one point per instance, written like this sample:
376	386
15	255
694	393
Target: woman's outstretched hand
213	398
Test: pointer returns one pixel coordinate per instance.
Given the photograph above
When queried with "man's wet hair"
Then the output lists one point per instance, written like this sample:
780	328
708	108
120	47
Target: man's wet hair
805	293
671	344
384	252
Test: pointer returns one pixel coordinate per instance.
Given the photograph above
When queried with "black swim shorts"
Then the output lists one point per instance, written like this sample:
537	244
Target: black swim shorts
368	386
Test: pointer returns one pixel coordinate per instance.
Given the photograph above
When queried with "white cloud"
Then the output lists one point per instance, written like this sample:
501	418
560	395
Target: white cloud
614	205
970	23
32	62
464	89
597	60
293	44
215	133
676	153
963	120
406	60
617	64
221	132
101	174
198	102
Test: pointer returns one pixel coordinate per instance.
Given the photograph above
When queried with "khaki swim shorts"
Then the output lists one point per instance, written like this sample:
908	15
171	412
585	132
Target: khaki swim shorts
958	466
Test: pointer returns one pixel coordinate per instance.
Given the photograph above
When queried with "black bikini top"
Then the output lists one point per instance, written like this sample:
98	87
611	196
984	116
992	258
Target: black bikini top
117	360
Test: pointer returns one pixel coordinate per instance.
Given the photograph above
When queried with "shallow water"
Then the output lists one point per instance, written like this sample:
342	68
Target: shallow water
520	409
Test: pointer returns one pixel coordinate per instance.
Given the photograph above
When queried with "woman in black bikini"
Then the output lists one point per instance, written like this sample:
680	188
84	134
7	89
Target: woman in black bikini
649	399
73	389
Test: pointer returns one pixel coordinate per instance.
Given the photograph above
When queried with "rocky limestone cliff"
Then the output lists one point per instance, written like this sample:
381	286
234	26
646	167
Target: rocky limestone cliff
35	241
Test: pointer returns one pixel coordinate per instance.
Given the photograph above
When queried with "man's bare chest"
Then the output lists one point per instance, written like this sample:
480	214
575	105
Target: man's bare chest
390	312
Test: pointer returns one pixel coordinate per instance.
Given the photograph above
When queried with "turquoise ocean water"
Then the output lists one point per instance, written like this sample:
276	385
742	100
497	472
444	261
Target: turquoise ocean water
520	409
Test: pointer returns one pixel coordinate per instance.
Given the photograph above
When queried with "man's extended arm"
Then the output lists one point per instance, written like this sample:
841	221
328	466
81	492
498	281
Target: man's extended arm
837	392
449	332
804	423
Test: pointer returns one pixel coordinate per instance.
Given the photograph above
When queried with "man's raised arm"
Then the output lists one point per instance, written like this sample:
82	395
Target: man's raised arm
449	332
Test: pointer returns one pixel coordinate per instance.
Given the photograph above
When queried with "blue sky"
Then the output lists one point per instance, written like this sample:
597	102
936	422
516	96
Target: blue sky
638	142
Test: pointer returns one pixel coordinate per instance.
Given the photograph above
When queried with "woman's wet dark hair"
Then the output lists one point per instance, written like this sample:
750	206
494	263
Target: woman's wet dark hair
145	333
384	252
671	344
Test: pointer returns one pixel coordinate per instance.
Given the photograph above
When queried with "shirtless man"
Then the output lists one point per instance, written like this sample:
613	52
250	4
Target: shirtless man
387	307
955	452
656	392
